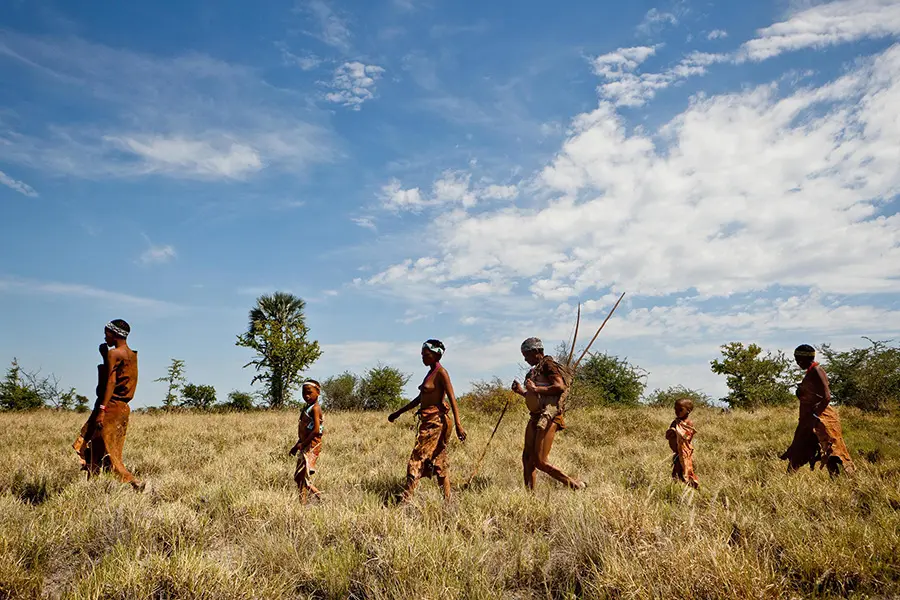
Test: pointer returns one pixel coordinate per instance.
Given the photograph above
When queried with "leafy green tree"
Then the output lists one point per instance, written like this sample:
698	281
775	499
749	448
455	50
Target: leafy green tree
867	378
201	397
341	392
81	403
277	332
15	394
382	388
175	379
239	401
666	398
607	380
755	379
490	396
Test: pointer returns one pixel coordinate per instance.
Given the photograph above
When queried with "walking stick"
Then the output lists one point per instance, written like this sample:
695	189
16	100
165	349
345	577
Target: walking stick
483	454
568	363
593	339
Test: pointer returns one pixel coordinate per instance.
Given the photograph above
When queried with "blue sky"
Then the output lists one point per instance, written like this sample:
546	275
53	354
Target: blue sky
462	170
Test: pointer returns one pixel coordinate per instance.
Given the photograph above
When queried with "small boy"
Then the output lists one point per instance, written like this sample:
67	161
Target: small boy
309	439
680	435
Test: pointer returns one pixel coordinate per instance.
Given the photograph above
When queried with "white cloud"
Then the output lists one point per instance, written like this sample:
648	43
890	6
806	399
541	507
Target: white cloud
365	222
655	20
186	117
18	186
717	34
193	158
332	29
155	255
624	87
825	25
740	193
353	84
307	62
394	197
624	60
454	188
75	290
500	192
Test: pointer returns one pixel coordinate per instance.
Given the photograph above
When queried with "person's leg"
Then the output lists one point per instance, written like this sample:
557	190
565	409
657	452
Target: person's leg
416	464
439	462
544	443
115	426
528	455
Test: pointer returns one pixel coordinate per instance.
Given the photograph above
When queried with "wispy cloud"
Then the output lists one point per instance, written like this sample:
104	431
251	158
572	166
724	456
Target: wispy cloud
188	117
53	288
366	223
306	62
155	255
717	34
353	84
825	25
18	186
331	29
625	87
656	20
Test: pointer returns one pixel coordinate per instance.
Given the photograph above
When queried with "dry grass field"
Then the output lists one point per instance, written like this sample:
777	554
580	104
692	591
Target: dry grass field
220	517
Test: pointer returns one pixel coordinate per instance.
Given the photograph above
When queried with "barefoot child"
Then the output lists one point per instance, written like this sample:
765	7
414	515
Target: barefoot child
680	435
309	439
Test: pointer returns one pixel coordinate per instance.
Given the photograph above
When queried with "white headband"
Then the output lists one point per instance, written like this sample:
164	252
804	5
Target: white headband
117	330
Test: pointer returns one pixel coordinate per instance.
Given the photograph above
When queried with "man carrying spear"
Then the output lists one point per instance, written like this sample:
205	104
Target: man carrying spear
543	391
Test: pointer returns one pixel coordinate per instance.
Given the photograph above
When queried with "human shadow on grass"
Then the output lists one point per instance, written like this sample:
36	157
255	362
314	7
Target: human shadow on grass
387	488
390	489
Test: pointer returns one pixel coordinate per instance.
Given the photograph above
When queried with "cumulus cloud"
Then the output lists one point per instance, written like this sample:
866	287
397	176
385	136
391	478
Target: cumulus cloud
624	87
353	84
452	188
741	192
394	197
17	186
825	25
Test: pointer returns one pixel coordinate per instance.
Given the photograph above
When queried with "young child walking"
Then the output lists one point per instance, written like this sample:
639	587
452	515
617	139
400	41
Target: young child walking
681	435
309	440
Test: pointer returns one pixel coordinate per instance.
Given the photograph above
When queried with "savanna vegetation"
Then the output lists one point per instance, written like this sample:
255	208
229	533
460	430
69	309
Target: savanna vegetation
221	518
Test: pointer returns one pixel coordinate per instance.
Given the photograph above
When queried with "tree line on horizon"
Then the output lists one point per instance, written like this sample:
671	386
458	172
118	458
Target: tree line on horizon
867	378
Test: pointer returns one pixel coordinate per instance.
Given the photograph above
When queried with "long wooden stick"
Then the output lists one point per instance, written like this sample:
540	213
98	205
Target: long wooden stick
574	337
598	331
483	454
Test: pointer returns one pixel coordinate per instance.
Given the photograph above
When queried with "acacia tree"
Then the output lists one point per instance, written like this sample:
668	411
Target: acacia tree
15	393
753	378
201	397
277	332
175	379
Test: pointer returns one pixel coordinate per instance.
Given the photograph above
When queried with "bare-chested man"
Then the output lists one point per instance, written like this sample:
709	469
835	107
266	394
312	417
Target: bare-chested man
429	455
544	387
103	436
818	436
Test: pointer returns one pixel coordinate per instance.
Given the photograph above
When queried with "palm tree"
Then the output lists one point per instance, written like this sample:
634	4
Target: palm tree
277	331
